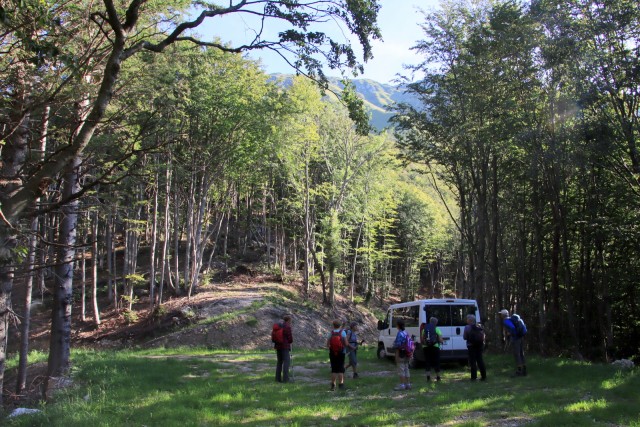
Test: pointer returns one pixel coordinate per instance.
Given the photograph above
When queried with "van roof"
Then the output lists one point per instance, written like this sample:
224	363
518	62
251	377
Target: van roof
436	301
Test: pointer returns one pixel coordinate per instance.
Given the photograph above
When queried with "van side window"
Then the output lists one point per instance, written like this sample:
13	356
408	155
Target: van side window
440	312
459	314
408	314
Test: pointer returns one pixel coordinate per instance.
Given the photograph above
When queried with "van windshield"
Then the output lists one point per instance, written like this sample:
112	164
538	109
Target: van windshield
450	315
408	314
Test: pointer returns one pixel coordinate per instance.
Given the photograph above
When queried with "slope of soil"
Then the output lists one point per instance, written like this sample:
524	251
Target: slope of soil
235	313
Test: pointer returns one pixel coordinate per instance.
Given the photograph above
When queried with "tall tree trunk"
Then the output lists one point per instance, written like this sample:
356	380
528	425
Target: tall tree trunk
31	264
110	256
154	238
26	316
332	292
83	276
60	339
94	269
189	218
352	286
307	227
198	242
12	158
176	237
163	260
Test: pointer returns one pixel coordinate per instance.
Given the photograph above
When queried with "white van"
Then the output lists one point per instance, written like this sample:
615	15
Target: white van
452	318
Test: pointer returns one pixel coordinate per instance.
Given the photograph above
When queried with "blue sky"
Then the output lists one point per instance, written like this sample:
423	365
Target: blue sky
398	20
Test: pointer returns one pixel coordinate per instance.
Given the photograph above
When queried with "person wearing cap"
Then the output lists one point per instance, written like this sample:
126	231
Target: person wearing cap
352	348
516	342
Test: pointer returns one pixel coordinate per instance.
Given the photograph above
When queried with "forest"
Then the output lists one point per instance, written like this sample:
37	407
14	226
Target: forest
515	180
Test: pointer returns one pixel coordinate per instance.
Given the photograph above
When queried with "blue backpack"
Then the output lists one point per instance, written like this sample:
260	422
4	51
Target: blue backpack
518	324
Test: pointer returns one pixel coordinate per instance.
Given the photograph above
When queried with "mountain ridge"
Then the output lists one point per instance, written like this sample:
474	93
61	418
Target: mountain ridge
377	97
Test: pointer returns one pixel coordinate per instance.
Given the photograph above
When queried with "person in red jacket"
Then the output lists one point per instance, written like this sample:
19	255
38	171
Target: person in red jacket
282	338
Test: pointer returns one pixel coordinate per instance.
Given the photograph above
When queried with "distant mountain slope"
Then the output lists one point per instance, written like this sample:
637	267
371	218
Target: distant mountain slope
377	96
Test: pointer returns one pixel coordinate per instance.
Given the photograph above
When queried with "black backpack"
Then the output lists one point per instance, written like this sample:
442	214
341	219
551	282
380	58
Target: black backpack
429	335
476	335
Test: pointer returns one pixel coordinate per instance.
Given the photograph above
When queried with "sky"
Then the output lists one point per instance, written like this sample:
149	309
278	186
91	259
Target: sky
398	21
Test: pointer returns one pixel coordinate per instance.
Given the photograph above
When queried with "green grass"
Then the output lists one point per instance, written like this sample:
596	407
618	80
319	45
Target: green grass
200	387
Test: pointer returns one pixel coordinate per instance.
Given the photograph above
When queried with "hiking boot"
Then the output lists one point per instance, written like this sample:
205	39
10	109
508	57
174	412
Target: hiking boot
341	386
399	387
407	387
356	375
333	387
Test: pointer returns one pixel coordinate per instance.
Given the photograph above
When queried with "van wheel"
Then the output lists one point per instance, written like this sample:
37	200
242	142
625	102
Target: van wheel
382	353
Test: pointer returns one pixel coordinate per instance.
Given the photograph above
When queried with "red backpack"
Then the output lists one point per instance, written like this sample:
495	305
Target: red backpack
336	344
277	333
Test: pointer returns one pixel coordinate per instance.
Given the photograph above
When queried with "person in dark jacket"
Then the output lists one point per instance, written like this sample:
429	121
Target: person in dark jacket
283	350
475	351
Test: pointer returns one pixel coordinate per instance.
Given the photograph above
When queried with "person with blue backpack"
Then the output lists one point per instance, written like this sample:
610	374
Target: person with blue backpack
516	330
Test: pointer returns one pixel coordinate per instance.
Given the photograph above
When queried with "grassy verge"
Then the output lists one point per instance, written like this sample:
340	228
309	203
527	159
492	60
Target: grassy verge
198	387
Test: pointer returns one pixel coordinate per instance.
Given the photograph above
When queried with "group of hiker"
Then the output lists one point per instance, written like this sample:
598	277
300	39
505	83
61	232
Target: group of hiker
342	342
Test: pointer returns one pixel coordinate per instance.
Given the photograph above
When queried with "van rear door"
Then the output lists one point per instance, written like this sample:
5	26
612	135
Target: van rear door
452	318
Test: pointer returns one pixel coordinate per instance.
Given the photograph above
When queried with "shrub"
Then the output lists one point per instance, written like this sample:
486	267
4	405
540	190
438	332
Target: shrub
130	316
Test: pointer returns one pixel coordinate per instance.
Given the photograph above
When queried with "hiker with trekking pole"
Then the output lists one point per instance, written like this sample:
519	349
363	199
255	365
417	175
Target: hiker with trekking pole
282	339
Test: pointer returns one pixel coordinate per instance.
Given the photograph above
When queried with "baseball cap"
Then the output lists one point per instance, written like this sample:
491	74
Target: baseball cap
504	312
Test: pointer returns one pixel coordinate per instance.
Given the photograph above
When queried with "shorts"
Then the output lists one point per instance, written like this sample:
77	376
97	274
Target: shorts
337	363
403	366
353	357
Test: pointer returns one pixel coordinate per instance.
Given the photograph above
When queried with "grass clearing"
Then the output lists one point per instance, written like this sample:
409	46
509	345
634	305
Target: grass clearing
200	387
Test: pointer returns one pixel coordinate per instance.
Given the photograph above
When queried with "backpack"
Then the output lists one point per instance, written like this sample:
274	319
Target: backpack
336	344
518	324
429	335
409	346
277	333
350	339
476	335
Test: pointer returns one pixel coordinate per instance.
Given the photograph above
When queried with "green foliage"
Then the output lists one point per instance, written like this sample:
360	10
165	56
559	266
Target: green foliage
136	280
159	312
524	119
130	316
